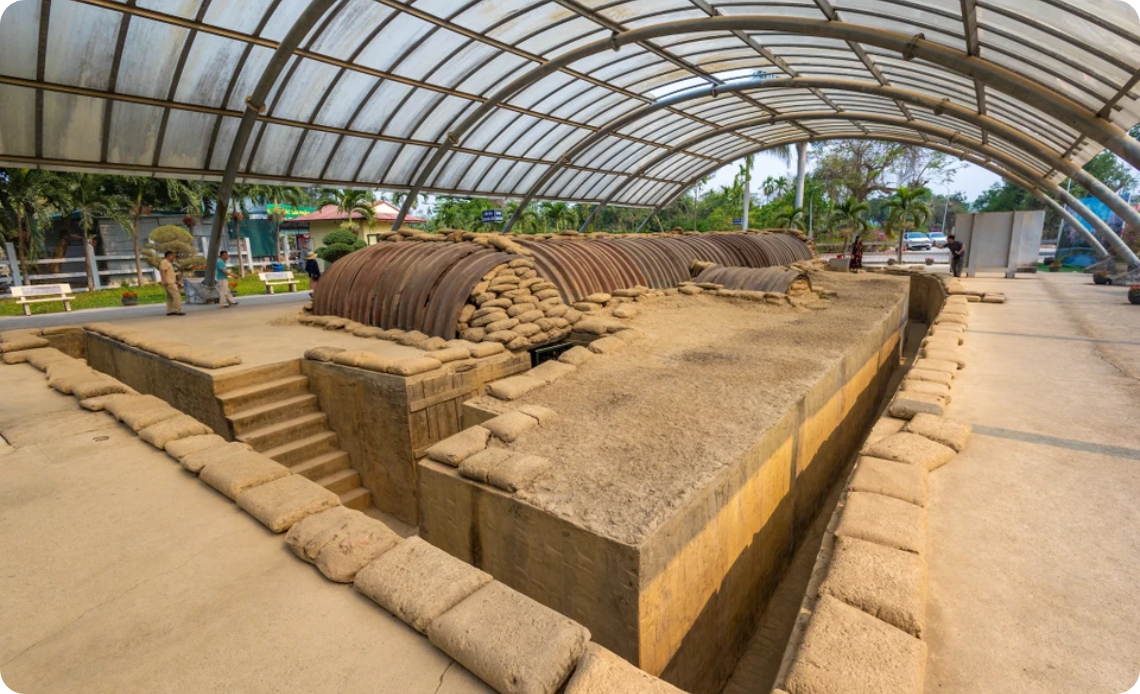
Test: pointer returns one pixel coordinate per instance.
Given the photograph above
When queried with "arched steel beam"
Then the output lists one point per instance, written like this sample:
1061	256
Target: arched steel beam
1014	136
1101	191
254	105
978	160
1049	101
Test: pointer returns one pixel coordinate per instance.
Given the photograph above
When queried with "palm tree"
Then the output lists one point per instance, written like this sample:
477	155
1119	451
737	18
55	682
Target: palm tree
775	187
554	214
90	199
351	202
847	216
147	191
28	198
791	218
907	209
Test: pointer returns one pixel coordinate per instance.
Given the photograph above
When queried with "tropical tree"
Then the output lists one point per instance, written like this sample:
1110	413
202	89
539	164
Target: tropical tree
556	215
148	193
775	187
172	238
791	218
91	198
28	198
352	202
907	209
848	216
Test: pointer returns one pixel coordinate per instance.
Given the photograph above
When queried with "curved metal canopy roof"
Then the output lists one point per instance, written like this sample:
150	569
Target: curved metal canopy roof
620	101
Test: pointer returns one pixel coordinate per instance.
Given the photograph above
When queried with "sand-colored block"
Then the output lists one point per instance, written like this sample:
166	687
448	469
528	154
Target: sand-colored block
168	430
283	502
64	377
42	358
323	353
511	425
601	672
951	355
993	298
542	414
576	356
907	404
884	427
455	449
197	461
486	349
517	472
944	318
340	542
927	364
235	474
550	371
141	411
846	650
514	387
952	333
414	366
883	582
885	521
930	376
939	390
20	343
418	582
948	432
511	642
478	467
180	448
210	360
99	387
607	345
889	478
906	447
99	404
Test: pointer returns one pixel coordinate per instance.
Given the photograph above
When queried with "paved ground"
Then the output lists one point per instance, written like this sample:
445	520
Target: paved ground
1033	528
119	572
258	329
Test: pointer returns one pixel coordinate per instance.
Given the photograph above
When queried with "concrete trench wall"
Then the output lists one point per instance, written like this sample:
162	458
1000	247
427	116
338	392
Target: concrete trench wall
683	603
190	390
387	422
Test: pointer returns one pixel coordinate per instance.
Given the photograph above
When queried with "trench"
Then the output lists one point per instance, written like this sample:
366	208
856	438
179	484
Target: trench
759	663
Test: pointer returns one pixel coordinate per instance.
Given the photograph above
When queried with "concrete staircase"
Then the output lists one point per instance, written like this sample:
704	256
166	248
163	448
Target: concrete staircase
272	409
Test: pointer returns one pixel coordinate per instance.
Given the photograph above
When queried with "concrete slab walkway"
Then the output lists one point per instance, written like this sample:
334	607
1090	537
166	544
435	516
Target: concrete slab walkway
119	572
1034	527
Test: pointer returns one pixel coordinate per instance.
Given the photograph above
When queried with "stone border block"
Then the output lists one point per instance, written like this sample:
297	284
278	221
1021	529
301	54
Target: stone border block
884	521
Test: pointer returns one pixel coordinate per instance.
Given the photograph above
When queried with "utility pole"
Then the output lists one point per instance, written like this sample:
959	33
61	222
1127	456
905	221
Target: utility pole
747	190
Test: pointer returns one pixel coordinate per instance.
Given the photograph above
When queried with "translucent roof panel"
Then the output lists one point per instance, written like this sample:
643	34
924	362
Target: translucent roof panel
625	101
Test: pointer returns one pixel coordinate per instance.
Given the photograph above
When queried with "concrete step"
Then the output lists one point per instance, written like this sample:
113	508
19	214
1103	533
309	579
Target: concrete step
358	499
273	412
256	375
260	393
280	433
341	482
303	449
322	465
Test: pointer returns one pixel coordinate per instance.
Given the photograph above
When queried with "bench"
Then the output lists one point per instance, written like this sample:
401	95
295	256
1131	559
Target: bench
41	293
275	279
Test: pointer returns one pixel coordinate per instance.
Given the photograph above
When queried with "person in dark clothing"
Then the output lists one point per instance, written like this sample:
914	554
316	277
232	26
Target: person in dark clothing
312	269
857	254
957	254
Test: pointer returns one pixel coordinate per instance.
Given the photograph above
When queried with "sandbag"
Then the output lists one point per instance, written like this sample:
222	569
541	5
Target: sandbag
280	504
99	387
457	448
173	429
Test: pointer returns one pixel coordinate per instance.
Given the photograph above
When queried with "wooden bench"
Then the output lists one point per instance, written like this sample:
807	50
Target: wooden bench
275	279
41	293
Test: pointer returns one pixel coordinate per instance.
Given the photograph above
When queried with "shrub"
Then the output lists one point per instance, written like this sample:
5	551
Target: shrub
338	244
172	238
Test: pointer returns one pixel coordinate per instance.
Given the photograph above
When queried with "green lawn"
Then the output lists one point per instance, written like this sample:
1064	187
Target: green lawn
148	294
1042	267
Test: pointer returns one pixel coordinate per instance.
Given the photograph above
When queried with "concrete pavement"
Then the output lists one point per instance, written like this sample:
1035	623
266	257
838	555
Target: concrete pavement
1033	527
119	572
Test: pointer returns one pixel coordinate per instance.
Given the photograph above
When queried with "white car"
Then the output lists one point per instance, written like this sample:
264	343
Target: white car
937	238
917	241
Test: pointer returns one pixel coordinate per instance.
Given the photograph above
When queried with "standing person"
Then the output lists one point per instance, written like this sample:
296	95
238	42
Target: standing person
223	274
170	284
957	254
857	254
312	269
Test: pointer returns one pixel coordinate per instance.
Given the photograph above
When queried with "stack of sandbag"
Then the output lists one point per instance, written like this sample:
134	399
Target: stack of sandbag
515	307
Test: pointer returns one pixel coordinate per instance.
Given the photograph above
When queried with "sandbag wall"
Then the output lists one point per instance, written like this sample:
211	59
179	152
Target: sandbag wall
426	281
781	280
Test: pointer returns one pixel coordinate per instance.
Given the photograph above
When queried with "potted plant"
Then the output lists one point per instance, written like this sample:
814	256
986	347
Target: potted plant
1134	294
1055	266
234	287
930	261
130	298
1101	277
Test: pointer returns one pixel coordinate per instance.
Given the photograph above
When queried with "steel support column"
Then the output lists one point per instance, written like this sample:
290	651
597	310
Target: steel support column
254	105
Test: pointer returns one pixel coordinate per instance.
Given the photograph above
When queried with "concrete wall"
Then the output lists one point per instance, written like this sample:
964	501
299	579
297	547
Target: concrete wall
184	387
1000	241
387	422
683	604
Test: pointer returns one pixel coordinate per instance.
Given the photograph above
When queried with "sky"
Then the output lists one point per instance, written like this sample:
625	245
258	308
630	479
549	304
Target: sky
969	179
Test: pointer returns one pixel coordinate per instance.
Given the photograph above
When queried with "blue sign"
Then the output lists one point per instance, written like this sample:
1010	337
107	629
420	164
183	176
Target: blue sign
738	222
490	216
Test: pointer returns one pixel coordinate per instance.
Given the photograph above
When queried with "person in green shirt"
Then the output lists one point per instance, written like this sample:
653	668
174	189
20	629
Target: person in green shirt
223	275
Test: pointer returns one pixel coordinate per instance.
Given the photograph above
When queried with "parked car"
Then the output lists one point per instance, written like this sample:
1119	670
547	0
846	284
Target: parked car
937	238
916	241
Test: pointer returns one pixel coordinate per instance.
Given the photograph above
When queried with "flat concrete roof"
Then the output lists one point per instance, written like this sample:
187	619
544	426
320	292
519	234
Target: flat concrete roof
123	573
641	429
